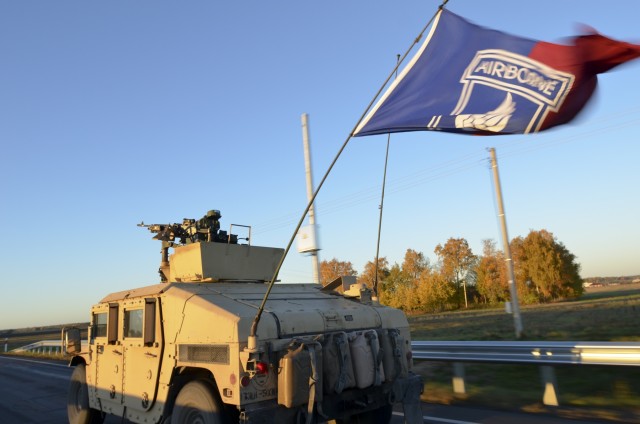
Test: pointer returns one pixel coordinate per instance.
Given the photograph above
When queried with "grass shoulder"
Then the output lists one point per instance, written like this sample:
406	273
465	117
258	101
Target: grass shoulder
609	393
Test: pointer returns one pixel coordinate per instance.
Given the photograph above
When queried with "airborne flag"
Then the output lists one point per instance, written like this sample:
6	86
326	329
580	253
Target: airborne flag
473	80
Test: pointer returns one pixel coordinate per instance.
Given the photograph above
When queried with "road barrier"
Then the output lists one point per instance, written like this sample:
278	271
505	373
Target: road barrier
45	347
542	353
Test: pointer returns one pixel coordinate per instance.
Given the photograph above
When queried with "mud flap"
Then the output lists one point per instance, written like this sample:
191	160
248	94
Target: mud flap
408	391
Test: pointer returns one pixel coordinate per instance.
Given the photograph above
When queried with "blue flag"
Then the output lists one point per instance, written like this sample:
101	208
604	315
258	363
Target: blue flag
474	80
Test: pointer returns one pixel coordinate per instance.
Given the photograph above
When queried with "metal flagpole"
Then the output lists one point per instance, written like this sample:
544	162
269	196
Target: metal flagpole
517	319
312	217
252	339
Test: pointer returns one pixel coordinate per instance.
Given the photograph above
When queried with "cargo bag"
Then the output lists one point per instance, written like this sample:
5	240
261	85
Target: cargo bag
394	357
337	368
299	375
366	358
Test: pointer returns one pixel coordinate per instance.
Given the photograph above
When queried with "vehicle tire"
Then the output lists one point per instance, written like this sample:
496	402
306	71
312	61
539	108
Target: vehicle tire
78	409
196	404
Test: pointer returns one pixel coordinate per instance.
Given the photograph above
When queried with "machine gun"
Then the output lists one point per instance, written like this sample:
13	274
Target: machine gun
205	229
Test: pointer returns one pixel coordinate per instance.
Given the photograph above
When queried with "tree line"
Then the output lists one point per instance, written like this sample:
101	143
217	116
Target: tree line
545	271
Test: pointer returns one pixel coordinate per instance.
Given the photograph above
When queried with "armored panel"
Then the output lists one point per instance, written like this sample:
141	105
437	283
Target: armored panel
221	261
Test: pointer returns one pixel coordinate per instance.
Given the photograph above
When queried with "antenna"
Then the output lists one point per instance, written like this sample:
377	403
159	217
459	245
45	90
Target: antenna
381	207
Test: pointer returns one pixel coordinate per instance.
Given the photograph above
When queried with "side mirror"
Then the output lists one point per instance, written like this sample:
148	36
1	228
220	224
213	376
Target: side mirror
71	341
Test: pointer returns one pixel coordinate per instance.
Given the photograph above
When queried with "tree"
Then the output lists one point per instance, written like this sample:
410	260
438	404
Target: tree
414	264
526	291
396	290
330	270
491	274
368	276
549	266
456	263
434	292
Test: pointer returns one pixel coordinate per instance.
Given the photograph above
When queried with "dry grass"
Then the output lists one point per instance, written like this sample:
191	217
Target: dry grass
600	315
603	314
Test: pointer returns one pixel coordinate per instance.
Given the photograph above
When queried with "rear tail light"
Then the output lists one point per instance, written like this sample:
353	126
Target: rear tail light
262	368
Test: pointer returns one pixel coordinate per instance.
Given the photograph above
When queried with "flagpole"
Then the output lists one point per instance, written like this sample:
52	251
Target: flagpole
252	339
515	307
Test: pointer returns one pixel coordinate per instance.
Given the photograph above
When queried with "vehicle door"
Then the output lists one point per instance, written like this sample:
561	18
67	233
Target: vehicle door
142	352
109	361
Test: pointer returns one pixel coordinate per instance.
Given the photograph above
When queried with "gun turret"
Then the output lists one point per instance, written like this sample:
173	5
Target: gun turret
190	231
205	229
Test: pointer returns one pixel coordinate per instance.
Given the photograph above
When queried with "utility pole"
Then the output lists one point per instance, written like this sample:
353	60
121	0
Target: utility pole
312	218
515	307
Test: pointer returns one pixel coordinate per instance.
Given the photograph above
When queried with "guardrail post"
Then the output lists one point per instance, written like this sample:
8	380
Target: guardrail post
458	378
550	396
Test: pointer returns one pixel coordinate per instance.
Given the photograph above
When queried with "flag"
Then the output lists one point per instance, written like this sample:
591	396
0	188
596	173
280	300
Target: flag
473	80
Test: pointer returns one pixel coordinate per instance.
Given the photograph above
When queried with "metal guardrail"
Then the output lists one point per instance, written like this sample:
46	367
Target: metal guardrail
530	352
540	353
544	354
45	347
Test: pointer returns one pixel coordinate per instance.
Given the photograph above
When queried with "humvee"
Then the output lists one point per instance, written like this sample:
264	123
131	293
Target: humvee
182	351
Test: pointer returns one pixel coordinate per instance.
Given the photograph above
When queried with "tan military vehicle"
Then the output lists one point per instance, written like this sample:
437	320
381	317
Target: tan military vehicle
197	348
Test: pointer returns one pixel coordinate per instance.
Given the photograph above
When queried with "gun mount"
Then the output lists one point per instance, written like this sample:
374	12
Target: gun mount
204	253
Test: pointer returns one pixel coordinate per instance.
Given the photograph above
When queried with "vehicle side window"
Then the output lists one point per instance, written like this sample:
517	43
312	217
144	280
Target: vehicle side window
133	323
100	324
149	321
112	329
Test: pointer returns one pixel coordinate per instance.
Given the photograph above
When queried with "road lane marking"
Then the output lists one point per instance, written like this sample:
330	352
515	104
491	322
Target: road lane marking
438	419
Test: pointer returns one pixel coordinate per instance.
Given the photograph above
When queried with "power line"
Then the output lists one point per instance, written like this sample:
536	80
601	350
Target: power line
448	168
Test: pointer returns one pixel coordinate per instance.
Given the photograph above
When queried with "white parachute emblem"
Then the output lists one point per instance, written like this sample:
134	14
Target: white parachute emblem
493	121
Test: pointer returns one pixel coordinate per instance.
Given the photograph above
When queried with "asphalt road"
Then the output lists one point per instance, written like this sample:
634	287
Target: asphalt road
34	391
444	414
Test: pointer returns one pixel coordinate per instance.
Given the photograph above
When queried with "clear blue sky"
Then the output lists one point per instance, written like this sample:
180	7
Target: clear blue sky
117	112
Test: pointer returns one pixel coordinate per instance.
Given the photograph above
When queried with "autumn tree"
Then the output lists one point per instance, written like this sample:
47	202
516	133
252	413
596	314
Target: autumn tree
434	291
456	264
414	264
547	266
526	292
491	274
399	287
330	270
368	276
396	289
